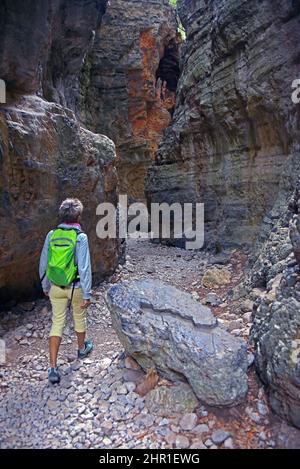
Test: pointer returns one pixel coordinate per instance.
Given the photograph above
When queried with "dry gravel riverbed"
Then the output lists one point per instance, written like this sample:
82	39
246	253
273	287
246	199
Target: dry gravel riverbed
96	405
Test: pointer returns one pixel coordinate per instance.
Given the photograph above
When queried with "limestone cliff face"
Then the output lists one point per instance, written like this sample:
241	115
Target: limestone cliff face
110	68
276	315
235	128
130	81
45	153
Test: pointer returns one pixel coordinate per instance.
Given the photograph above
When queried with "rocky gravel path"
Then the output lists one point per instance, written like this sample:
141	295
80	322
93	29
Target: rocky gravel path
95	405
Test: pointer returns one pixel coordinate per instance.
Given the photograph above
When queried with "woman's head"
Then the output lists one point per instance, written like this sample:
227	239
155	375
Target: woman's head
70	211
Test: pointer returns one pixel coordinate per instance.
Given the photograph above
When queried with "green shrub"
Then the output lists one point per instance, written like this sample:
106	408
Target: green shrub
181	29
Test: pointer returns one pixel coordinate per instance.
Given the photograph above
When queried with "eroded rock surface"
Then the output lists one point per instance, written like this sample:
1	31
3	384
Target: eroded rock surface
276	327
46	154
235	128
130	82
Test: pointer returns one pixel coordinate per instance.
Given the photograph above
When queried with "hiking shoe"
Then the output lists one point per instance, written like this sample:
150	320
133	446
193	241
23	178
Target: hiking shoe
88	347
53	376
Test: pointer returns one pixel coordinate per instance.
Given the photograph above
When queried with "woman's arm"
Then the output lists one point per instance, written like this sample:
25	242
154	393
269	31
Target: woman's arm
44	263
84	265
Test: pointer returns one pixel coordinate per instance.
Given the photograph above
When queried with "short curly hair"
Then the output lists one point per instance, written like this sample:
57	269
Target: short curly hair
70	210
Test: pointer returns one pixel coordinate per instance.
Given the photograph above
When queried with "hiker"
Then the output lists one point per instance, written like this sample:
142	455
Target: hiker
65	272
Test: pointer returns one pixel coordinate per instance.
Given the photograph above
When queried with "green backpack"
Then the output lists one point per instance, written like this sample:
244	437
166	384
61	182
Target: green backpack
61	269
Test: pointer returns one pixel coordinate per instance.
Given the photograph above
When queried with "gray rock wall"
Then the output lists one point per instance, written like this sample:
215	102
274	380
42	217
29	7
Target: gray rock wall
235	127
45	152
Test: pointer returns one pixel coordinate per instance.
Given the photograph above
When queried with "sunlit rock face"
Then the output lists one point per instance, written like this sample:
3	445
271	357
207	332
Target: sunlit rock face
46	154
130	82
235	129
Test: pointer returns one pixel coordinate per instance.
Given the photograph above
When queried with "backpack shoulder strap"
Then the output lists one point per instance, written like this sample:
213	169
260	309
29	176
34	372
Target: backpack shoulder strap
78	230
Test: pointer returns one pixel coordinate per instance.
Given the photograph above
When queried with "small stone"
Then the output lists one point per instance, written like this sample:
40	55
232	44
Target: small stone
163	422
105	363
130	385
52	405
262	408
228	444
250	359
262	436
122	389
247	317
188	421
254	416
219	436
208	443
168	400
29	326
18	336
202	428
182	442
113	398
103	406
145	420
75	366
197	444
237	324
247	305
171	439
106	441
212	299
81	409
106	425
150	270
24	342
131	364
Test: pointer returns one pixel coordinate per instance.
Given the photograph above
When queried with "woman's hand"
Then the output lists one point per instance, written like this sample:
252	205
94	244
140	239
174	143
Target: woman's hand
85	304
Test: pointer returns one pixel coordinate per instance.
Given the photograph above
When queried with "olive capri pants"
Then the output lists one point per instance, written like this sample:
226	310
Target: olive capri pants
59	298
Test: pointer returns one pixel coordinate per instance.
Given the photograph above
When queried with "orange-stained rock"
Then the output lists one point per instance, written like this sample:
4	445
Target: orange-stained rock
128	98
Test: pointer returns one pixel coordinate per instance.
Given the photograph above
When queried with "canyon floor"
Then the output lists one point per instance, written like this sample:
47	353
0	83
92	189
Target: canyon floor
95	405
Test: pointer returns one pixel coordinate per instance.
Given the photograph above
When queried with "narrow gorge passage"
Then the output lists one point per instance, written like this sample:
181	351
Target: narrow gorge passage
164	102
95	405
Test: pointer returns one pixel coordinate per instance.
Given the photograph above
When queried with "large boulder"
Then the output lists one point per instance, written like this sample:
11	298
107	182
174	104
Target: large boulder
163	327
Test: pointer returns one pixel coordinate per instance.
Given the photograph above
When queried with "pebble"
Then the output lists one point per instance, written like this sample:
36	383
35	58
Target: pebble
197	444
228	444
188	421
131	364
105	363
106	441
130	385
208	443
52	405
219	436
122	389
262	408
182	442
202	428
250	359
